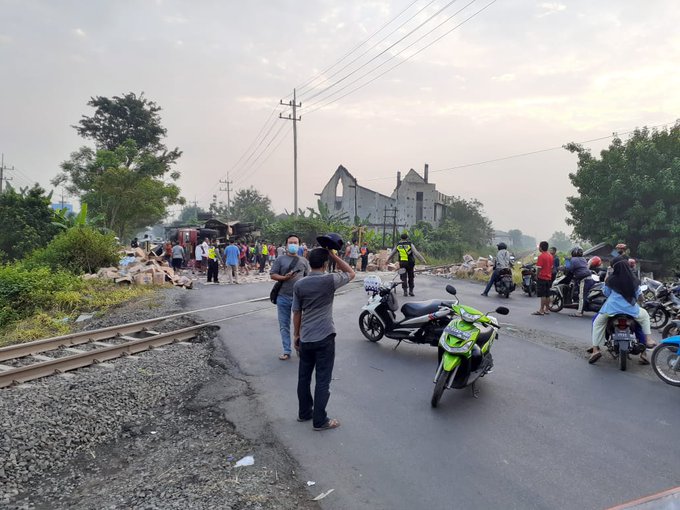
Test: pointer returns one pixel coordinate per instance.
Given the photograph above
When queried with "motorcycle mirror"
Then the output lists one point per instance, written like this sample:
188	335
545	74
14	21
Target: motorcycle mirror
501	310
451	289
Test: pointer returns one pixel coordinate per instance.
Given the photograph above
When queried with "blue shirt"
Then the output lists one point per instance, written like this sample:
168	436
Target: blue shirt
616	303
232	255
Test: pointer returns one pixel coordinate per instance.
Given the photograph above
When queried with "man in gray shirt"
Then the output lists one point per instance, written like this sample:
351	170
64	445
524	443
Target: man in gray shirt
314	333
287	269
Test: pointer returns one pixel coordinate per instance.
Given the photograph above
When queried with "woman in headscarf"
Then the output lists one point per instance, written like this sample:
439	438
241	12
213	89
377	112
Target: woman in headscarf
622	289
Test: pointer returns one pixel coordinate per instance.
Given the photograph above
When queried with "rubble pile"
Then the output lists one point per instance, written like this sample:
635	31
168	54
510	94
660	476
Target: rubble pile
378	262
137	268
468	268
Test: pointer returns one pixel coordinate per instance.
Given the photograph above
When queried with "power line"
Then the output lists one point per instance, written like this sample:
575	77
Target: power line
400	62
530	153
369	49
384	51
245	175
273	151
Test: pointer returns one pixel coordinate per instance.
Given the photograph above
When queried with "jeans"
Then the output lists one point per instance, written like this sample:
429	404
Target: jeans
492	280
284	305
320	356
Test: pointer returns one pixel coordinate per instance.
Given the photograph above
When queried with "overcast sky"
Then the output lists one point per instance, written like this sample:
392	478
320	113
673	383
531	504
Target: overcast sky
520	76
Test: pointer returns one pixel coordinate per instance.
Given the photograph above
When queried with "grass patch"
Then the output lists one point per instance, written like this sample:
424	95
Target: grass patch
62	307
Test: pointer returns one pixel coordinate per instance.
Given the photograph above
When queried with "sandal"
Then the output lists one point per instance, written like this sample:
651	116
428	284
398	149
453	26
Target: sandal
589	350
597	355
331	423
651	346
643	361
303	419
537	313
575	315
284	357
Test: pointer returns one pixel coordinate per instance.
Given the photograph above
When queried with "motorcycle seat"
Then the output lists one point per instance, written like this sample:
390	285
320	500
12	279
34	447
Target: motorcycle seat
484	335
420	308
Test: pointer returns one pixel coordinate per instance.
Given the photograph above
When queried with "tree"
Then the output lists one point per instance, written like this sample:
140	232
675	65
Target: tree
475	228
515	238
189	215
250	206
123	178
129	117
26	220
561	241
630	194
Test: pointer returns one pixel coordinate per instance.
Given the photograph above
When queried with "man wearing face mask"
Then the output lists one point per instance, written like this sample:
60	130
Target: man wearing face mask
288	269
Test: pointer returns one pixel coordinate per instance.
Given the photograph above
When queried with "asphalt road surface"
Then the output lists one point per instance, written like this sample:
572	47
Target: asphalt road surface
548	430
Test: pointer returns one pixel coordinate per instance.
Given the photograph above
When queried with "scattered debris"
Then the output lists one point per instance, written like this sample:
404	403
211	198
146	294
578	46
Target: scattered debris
310	483
248	460
84	317
137	268
323	495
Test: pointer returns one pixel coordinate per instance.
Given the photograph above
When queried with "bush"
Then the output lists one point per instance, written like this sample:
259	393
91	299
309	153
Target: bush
80	249
24	290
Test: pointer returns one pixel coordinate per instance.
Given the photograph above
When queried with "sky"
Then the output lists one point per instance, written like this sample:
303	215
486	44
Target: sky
519	76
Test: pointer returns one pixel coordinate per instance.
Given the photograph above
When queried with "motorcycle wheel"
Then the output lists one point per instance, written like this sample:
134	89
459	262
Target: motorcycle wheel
370	326
658	316
439	389
670	330
662	357
623	360
556	303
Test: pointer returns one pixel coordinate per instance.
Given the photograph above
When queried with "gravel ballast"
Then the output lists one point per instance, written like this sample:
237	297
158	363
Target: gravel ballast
137	433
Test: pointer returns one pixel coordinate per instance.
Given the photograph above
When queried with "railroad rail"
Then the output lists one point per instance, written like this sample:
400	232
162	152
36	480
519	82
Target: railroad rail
41	358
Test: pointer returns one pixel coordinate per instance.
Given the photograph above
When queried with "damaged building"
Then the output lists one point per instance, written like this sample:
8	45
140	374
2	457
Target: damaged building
414	199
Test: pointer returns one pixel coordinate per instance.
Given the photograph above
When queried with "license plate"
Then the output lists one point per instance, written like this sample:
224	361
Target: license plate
622	337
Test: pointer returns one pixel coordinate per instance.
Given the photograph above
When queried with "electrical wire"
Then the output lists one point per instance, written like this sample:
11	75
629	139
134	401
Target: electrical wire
529	153
430	18
398	63
308	82
245	175
273	151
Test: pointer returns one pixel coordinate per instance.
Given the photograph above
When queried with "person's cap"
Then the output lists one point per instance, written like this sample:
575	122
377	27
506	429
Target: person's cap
331	241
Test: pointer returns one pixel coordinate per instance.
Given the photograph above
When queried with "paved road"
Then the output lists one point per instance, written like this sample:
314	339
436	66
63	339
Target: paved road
547	431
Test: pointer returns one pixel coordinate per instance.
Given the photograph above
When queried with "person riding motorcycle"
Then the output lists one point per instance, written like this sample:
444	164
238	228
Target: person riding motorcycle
503	261
582	277
622	289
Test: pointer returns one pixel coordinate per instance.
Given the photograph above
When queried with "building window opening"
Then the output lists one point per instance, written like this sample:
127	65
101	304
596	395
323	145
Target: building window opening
419	206
339	193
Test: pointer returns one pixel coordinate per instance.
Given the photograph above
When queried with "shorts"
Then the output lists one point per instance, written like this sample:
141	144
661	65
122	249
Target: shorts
543	288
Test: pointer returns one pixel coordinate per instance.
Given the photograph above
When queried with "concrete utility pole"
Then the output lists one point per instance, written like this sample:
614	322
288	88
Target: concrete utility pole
2	172
228	190
294	105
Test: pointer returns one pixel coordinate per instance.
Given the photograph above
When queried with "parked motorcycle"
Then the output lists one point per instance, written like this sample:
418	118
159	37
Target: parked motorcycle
504	284
621	339
671	329
465	348
423	321
666	361
652	285
529	279
564	294
665	305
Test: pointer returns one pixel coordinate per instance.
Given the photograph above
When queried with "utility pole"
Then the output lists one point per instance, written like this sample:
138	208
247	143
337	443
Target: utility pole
384	226
228	190
2	172
294	105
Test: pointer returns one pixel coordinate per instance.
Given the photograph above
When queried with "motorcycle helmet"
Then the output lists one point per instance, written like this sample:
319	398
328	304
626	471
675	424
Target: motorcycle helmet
595	262
502	246
372	284
577	251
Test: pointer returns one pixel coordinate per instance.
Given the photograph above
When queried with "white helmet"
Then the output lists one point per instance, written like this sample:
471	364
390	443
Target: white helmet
372	283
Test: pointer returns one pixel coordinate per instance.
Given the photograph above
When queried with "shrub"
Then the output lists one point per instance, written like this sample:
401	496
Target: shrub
80	249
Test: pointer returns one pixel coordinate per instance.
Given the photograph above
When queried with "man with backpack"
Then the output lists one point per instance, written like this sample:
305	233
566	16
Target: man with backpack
407	253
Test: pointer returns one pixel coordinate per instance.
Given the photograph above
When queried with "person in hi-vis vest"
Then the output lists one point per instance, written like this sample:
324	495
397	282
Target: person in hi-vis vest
407	253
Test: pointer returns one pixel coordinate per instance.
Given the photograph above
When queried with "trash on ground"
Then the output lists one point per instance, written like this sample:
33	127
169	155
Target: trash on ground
248	460
323	495
310	483
230	458
84	317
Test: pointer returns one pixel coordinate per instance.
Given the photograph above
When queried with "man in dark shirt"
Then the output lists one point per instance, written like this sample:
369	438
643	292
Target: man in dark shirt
314	334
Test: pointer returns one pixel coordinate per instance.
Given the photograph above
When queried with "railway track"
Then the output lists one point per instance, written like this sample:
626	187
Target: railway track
42	358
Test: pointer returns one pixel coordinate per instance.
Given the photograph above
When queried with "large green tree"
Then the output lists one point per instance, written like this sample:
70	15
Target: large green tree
127	179
249	205
561	241
630	194
475	228
26	220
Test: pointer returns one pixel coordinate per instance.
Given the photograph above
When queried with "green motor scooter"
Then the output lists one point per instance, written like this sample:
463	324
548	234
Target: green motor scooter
465	348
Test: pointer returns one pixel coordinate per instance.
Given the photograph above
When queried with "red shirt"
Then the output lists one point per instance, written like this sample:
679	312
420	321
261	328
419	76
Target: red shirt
545	260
